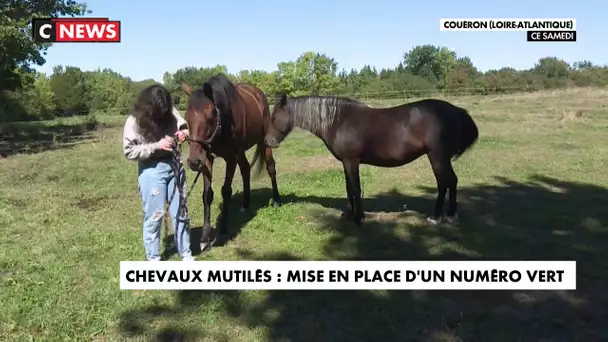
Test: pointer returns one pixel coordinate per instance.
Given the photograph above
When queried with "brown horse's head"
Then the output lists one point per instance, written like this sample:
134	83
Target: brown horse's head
204	123
281	123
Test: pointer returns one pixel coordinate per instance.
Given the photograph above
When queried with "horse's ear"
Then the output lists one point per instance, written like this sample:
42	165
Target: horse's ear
208	91
186	88
283	100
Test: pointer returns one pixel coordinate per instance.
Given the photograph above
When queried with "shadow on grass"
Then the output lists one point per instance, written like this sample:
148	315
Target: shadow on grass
237	221
392	202
543	219
40	136
131	325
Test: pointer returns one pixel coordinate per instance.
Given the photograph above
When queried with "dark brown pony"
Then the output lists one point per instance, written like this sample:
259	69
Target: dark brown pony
387	137
226	120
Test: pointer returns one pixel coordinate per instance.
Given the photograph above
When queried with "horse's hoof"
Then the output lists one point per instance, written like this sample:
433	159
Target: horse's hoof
207	238
433	221
221	239
358	219
243	210
276	204
205	246
451	219
347	215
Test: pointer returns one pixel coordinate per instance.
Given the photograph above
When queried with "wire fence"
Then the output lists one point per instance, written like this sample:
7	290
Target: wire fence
461	91
375	96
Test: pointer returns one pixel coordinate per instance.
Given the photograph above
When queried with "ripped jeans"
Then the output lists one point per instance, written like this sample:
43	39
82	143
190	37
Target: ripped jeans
156	185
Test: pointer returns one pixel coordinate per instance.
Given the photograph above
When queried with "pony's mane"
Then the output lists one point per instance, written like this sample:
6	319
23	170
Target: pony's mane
317	113
224	93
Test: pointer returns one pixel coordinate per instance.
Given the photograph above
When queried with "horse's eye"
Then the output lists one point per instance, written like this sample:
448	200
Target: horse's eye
273	118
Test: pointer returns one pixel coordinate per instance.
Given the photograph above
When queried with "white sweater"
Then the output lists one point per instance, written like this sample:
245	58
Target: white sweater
135	147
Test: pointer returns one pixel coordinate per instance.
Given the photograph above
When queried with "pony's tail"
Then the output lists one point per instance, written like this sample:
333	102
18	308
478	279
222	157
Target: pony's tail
468	134
260	150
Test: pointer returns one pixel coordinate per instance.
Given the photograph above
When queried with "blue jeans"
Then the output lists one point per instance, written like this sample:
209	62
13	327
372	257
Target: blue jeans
156	185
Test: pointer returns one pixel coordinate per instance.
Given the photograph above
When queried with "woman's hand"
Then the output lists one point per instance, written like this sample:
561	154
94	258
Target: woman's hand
166	143
182	135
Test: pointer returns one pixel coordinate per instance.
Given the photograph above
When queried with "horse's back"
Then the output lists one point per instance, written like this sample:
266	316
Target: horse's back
396	135
447	124
253	111
253	97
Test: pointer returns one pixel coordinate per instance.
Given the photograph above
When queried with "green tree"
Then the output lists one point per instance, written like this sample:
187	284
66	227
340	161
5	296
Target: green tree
582	65
463	74
262	79
194	76
19	51
431	62
71	90
39	100
310	74
551	67
106	89
554	71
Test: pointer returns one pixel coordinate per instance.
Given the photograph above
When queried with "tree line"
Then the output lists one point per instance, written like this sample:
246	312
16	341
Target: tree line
424	70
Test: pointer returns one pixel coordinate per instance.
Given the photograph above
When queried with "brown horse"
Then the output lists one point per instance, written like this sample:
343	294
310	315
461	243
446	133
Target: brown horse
386	137
226	120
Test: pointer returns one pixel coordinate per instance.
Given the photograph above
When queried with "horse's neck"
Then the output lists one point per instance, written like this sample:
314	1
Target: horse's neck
313	119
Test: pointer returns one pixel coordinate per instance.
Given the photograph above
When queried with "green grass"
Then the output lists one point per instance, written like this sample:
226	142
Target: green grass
534	187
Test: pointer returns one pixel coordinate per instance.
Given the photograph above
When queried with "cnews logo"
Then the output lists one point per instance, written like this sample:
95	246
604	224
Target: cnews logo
74	30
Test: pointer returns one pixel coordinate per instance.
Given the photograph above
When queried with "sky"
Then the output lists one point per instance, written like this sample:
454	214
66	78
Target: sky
258	34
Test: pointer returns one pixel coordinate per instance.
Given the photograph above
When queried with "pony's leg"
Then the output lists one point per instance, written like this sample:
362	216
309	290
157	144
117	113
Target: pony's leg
246	174
349	213
444	175
352	170
207	234
231	163
272	173
452	213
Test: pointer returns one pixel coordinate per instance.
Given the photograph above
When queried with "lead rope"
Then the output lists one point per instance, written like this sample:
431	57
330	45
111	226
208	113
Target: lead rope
180	184
176	167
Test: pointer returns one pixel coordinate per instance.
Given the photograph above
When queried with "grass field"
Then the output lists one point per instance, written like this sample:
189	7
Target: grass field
534	187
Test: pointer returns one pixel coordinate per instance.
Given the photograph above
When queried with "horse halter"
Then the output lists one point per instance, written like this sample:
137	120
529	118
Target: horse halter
216	132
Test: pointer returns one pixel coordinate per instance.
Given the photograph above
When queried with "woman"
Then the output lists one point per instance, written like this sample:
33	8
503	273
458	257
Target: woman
148	139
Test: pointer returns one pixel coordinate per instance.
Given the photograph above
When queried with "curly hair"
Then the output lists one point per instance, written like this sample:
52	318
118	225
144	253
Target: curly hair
153	111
